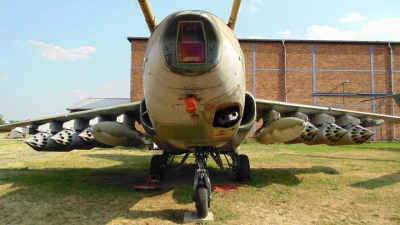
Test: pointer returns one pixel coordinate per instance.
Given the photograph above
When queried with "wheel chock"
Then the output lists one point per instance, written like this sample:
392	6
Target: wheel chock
153	183
225	188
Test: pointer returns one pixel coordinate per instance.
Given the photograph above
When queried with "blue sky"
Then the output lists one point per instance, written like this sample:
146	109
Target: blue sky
56	53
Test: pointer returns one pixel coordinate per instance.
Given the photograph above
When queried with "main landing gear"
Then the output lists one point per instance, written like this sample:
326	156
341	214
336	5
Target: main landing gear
243	169
157	165
202	184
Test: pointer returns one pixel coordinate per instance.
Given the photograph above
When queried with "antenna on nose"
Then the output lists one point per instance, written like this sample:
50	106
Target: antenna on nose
148	14
234	13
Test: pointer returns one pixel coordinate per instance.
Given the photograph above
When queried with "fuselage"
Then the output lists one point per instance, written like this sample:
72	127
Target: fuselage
194	81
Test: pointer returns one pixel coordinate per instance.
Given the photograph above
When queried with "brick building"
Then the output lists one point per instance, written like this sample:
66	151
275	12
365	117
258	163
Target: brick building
340	74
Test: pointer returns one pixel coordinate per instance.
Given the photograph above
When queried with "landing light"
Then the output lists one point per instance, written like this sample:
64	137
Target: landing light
191	42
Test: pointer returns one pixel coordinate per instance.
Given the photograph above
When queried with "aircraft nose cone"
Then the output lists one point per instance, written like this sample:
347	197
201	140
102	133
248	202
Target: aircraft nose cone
201	49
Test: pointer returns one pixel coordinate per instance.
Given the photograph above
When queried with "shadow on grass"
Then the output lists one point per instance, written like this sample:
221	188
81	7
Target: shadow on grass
172	215
378	182
285	176
33	188
103	185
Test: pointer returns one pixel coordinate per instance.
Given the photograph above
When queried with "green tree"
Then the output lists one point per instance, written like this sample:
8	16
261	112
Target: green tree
1	119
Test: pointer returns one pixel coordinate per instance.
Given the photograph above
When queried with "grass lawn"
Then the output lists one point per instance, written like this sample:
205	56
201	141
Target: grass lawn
292	184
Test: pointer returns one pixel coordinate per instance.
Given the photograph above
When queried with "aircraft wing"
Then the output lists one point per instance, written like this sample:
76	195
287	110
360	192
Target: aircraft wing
285	107
111	111
101	127
315	124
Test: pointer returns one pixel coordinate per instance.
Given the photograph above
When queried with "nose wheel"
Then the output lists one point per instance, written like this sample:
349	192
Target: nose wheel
202	203
202	184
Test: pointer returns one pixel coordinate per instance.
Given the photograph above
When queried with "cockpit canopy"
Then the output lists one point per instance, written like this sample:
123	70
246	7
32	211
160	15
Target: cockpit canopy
191	42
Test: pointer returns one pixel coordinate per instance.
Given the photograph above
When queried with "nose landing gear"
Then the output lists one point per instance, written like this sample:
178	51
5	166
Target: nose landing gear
202	184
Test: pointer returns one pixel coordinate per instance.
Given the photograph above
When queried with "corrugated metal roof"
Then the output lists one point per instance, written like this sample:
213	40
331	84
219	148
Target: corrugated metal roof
94	103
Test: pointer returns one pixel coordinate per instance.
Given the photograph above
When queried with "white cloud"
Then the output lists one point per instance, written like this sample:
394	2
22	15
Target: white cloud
386	29
316	32
352	17
284	33
259	36
5	78
19	42
58	53
252	7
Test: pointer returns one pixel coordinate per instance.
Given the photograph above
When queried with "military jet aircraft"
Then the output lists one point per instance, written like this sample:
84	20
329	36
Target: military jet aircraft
195	102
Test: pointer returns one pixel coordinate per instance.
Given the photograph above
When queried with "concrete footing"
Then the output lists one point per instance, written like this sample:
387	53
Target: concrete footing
191	217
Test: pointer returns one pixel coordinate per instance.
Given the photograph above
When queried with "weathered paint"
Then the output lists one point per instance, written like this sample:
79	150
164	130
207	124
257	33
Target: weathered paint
217	84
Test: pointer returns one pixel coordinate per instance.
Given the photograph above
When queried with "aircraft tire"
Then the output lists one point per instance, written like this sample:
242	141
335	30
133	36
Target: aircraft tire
201	201
155	165
244	168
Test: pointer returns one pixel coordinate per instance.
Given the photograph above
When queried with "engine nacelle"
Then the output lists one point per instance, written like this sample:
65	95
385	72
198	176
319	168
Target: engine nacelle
248	119
329	133
355	135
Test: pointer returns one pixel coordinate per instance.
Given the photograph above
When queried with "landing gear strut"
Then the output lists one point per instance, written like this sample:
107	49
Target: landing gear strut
160	164
156	165
243	170
202	184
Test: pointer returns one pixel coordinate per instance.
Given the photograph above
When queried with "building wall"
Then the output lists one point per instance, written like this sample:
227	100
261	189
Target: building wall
138	49
313	73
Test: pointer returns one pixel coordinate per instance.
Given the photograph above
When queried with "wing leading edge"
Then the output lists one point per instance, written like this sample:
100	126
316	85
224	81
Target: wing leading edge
322	125
102	127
